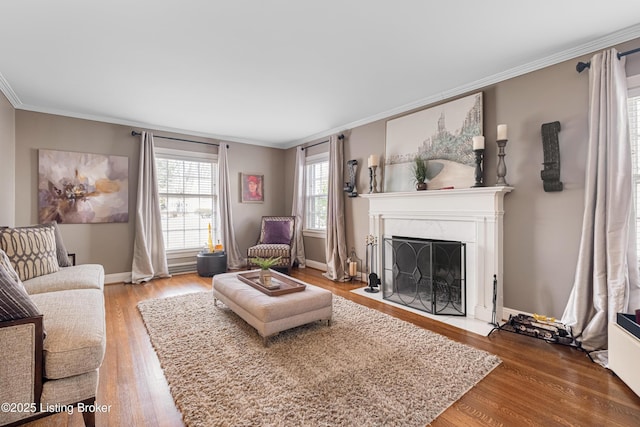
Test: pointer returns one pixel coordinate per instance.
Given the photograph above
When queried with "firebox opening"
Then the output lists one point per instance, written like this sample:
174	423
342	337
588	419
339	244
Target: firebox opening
425	274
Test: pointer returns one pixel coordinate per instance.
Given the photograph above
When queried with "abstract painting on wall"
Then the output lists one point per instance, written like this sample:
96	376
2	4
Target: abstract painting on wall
78	188
441	135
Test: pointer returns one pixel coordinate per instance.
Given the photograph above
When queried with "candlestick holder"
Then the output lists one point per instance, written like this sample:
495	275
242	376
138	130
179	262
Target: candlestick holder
372	179
502	167
479	153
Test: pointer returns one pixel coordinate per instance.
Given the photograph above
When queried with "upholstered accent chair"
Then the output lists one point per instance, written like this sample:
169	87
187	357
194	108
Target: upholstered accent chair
275	240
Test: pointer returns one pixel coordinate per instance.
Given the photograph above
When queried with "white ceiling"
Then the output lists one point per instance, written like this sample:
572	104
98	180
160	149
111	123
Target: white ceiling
281	72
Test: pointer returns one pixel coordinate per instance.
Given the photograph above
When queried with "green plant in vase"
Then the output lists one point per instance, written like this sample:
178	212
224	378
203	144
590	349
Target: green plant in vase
265	264
419	171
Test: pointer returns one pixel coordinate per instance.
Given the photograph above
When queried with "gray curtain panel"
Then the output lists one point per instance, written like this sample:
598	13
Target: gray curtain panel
149	257
298	208
235	260
607	269
336	243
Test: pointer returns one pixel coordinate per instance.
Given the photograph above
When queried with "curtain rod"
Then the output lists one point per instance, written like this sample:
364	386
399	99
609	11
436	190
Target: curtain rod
341	136
582	65
134	133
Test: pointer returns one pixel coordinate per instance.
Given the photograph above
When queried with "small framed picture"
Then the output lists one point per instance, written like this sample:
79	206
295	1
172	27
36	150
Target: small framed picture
252	188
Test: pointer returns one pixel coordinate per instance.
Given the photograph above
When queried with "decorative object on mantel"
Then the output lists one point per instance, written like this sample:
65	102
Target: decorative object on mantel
478	150
441	135
372	162
353	265
551	147
350	187
502	167
419	170
374	280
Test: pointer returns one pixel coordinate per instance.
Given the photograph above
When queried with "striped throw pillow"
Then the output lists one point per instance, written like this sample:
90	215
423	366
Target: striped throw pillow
5	264
31	250
14	301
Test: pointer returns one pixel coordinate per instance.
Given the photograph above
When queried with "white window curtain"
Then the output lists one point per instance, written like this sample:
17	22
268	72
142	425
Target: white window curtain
235	260
298	207
607	271
336	246
149	257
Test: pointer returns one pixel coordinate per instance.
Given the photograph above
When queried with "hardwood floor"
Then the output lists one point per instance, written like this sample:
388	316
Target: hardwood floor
538	384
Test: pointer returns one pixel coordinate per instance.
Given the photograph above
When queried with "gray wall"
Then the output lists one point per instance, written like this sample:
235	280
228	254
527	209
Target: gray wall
541	230
112	244
108	244
244	158
7	167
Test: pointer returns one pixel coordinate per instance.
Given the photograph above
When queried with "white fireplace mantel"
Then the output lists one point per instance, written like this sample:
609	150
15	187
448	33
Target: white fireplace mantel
473	216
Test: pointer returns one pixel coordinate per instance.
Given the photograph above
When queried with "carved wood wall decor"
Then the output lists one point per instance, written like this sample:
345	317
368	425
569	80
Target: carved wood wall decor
550	144
350	187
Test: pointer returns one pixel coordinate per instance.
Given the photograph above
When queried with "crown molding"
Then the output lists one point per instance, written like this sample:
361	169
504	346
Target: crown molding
141	125
6	89
609	40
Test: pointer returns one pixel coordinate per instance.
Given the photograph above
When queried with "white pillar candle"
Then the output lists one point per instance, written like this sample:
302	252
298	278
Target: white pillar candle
478	142
502	132
353	268
373	160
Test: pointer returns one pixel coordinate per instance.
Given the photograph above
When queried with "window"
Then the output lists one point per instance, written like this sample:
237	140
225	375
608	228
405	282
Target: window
188	198
317	179
634	132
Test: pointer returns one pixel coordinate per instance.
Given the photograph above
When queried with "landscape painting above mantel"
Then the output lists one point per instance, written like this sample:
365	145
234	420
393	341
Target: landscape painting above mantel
441	135
78	188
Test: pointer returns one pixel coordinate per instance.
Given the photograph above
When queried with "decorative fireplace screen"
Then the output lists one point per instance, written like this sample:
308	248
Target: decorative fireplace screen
425	274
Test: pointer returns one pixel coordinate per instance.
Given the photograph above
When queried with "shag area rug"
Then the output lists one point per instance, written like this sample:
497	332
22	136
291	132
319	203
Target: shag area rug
366	369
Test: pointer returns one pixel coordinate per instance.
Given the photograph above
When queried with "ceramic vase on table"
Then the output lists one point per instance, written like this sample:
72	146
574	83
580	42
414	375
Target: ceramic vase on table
265	278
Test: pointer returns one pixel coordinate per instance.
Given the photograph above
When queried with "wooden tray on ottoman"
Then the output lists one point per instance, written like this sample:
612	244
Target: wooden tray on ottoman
287	284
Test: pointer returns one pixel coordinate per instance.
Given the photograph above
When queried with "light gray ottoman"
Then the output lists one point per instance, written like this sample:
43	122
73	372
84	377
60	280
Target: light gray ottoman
272	314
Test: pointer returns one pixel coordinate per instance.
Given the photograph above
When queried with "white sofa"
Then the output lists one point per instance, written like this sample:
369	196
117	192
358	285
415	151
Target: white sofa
49	363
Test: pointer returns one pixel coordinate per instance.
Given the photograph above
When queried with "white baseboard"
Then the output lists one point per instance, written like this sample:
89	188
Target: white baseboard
110	279
315	264
117	278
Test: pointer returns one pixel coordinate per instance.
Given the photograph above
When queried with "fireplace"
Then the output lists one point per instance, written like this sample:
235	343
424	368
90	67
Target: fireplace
425	274
471	216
